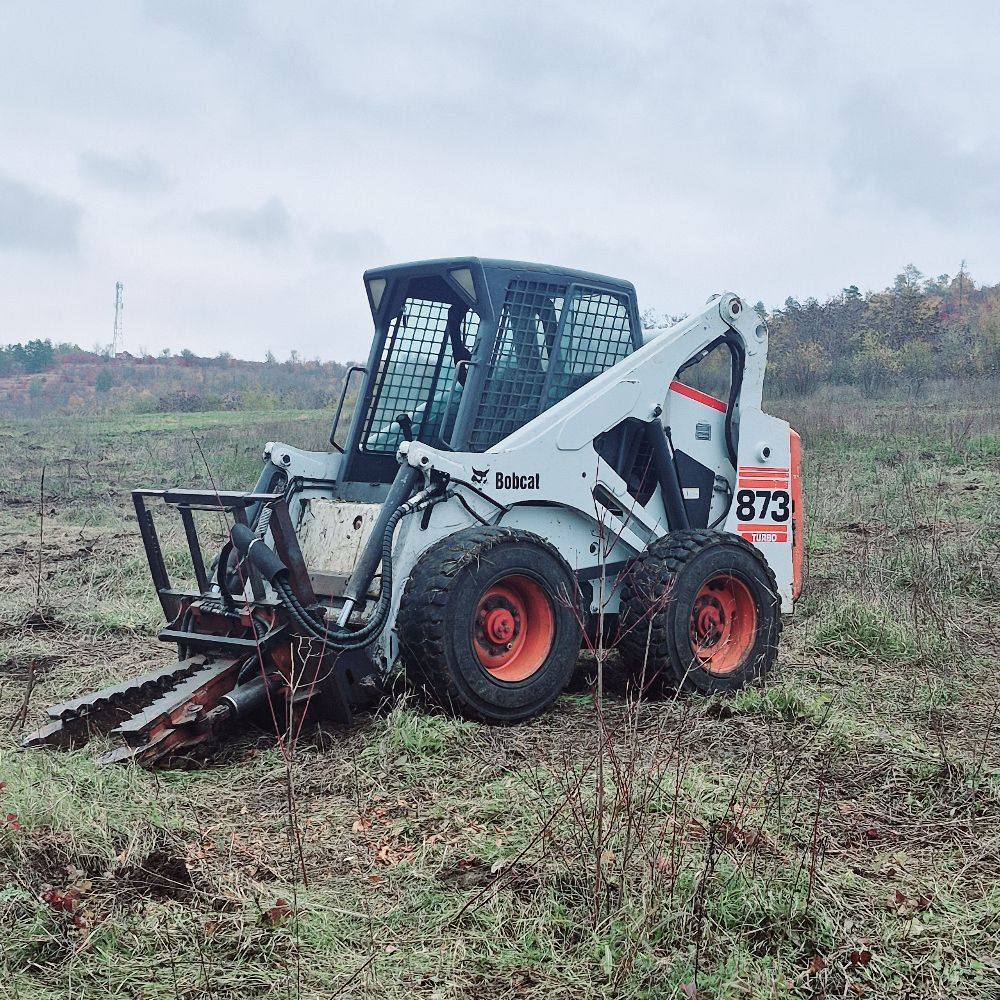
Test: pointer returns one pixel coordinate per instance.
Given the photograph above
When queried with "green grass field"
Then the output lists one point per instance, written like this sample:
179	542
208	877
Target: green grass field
835	832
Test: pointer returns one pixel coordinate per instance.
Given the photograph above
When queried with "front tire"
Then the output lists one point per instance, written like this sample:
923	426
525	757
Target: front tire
700	609
489	624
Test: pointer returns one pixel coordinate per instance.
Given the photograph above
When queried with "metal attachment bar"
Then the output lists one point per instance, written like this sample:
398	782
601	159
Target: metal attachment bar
286	545
208	499
154	556
194	547
231	643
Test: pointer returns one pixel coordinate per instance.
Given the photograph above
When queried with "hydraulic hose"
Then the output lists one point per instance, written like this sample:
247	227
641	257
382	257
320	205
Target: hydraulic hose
276	572
346	638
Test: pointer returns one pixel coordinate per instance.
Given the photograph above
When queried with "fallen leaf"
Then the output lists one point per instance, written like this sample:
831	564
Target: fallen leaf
278	913
61	902
817	964
690	991
860	958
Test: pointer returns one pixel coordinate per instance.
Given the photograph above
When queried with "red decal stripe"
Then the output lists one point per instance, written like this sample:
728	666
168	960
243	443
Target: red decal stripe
748	531
764	484
762	468
698	396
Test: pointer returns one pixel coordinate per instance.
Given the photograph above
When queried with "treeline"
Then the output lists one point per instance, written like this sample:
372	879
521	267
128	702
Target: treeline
66	379
899	338
918	329
34	356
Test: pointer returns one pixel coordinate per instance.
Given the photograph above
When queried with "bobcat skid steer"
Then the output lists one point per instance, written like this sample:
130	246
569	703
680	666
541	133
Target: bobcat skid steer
521	469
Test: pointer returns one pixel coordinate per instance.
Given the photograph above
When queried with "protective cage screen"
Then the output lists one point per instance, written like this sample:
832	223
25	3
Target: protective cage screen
537	362
415	373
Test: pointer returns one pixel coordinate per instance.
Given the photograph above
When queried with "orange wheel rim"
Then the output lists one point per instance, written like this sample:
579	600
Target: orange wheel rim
723	624
513	628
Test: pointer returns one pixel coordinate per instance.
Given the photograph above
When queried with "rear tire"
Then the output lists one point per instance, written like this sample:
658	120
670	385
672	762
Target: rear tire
700	609
488	624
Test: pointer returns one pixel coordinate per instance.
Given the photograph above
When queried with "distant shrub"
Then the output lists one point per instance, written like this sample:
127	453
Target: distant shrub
143	402
259	399
181	401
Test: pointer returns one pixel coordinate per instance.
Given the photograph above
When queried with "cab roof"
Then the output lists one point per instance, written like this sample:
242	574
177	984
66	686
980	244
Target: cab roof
490	264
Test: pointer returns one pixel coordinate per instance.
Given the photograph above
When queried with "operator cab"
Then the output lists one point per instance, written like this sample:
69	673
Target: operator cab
467	351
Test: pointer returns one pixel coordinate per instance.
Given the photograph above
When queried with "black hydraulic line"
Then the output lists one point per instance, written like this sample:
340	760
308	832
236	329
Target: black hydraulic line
666	472
252	665
737	364
364	570
271	567
735	387
221	571
479	493
729	503
265	560
466	505
271	480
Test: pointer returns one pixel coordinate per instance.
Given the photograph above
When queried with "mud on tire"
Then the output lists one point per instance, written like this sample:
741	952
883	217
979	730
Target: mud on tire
488	624
700	609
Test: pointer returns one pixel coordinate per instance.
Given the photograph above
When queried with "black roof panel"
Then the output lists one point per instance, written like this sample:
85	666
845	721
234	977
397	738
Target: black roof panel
492	264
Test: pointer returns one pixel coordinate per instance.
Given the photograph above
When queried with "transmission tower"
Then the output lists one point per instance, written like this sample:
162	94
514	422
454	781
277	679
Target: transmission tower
118	343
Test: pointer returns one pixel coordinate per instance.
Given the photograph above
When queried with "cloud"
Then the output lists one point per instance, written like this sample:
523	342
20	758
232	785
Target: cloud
825	145
214	23
32	219
361	244
914	161
131	175
265	226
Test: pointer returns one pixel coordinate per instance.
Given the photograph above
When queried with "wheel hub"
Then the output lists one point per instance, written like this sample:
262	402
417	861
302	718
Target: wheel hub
498	622
513	628
710	619
723	624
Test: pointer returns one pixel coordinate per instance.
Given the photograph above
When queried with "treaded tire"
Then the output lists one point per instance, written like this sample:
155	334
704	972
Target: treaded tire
438	614
659	604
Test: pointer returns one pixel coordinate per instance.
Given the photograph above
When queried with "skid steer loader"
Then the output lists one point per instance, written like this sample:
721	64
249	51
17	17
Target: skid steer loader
520	470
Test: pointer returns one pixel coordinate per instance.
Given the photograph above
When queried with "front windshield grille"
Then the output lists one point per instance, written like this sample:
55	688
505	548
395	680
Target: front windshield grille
416	371
512	396
547	347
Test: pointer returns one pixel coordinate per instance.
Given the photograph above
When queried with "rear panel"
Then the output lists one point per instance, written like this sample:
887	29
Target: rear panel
761	511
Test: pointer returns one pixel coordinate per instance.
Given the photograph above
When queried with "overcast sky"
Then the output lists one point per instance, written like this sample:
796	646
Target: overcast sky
238	165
